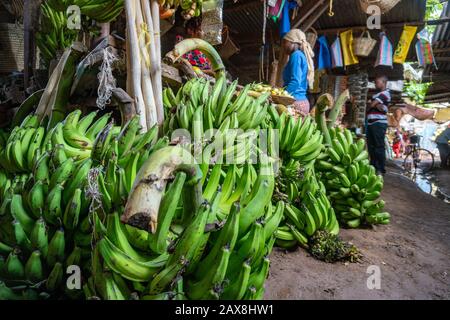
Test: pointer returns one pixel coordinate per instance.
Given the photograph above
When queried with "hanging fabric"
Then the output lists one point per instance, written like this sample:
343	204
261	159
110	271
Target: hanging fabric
317	79
385	52
324	56
336	54
275	11
347	48
424	49
285	22
401	52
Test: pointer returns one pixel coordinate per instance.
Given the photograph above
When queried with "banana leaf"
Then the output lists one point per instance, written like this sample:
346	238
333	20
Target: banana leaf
56	96
26	108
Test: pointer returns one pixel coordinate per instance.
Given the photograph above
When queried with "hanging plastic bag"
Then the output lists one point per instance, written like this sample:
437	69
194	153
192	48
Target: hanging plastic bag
347	48
401	52
385	53
212	23
337	60
324	56
424	49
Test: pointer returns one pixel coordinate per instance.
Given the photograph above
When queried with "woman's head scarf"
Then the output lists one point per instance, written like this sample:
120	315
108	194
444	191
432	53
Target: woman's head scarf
299	37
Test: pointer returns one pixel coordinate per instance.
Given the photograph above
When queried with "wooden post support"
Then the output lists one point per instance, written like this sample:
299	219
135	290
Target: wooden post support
30	19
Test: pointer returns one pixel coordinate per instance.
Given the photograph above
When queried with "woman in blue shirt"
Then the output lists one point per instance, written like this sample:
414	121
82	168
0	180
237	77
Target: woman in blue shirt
298	74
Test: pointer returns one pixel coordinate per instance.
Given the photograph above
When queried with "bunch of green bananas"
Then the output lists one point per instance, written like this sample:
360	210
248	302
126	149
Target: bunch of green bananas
311	211
200	108
54	35
191	8
218	104
100	10
29	145
350	180
299	139
216	253
46	221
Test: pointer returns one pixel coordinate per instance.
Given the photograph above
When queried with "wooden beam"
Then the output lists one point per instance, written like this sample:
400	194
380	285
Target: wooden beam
441	50
442	59
388	25
438	95
438	100
320	11
313	5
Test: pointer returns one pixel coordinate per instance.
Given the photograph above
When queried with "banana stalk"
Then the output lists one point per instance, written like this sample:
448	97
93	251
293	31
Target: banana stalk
322	105
57	92
146	81
157	74
26	108
191	44
134	62
143	203
337	109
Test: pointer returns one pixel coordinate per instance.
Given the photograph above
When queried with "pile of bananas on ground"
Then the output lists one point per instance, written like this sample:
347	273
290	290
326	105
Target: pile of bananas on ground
212	247
299	139
351	182
263	88
54	35
307	211
45	196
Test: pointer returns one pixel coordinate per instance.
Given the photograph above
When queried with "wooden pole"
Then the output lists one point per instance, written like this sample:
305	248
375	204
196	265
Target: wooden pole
30	18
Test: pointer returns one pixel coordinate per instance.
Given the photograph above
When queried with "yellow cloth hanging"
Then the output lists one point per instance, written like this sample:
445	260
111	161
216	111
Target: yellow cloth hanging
347	48
404	43
317	77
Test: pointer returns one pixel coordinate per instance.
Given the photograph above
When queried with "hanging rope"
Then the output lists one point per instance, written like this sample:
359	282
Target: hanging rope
261	70
106	79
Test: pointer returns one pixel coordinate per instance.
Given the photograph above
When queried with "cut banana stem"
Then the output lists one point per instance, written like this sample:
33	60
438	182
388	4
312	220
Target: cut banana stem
143	203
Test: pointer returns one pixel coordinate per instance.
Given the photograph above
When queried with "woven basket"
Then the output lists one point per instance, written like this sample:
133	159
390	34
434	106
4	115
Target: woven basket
385	5
363	46
311	37
228	48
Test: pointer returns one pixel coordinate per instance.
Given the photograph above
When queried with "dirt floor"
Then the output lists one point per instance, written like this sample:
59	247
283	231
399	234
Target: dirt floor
413	254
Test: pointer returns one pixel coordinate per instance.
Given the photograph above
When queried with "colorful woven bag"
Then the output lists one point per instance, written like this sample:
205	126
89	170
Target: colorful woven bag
385	52
424	49
336	54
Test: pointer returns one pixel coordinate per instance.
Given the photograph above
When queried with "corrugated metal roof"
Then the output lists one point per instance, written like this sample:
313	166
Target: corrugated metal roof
348	13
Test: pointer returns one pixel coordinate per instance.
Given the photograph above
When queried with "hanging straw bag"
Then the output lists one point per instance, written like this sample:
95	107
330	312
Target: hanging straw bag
385	5
228	48
311	37
363	46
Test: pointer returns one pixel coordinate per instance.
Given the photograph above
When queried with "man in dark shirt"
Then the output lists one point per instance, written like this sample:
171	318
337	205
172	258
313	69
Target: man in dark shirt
443	146
377	124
